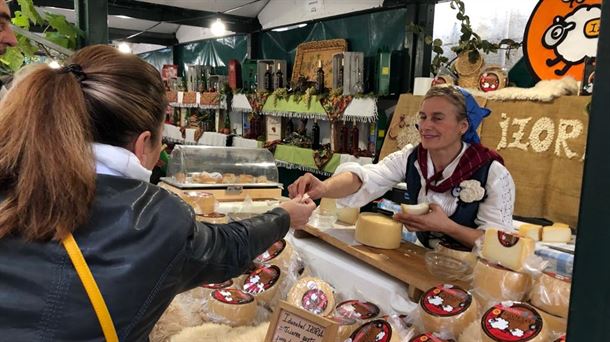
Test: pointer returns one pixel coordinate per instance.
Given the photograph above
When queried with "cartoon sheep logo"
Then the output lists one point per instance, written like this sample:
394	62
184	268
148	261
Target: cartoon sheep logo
573	37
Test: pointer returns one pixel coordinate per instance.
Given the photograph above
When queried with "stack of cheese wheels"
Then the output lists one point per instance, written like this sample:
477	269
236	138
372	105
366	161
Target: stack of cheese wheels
496	283
506	249
357	309
551	293
377	330
447	308
232	306
204	290
348	215
513	321
279	254
346	326
263	283
457	252
379	231
312	294
429	337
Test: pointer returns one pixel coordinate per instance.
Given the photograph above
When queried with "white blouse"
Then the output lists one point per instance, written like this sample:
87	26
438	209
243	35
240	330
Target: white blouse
495	210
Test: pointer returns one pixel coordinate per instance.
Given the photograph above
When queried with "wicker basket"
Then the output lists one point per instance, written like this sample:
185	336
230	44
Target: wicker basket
468	72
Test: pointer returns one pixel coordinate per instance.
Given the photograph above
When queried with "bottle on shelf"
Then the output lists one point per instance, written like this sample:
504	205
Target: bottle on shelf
254	84
279	77
320	78
315	143
268	79
355	138
289	127
344	141
340	74
253	129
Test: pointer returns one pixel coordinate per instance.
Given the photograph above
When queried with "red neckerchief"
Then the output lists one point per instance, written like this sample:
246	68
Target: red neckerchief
475	156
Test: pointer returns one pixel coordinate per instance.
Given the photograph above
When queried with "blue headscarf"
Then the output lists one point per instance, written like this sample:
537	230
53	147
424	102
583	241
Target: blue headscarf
475	115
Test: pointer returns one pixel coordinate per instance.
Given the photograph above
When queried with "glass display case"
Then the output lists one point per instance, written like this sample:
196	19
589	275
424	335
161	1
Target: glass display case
204	167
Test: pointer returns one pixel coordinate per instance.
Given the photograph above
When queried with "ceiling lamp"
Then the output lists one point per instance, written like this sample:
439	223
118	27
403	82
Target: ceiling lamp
124	48
218	28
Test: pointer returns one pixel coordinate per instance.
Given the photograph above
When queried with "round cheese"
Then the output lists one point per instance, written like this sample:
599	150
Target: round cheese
457	252
513	321
313	295
348	215
496	283
555	324
239	280
203	202
214	218
377	330
357	309
428	337
379	231
447	308
401	326
415	209
346	327
551	293
204	290
279	254
263	283
472	333
232	306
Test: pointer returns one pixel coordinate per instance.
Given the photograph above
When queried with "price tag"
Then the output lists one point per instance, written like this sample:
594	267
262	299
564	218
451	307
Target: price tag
292	324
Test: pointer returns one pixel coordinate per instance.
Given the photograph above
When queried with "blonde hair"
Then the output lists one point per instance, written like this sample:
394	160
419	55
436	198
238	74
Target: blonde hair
47	122
453	95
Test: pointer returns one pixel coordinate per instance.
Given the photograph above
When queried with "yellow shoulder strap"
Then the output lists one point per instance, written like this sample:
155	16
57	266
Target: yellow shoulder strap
84	273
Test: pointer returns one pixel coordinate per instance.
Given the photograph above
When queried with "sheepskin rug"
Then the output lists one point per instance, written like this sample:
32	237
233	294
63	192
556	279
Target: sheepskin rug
212	332
543	91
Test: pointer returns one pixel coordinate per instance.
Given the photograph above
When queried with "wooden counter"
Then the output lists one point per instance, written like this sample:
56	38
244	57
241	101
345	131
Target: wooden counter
405	263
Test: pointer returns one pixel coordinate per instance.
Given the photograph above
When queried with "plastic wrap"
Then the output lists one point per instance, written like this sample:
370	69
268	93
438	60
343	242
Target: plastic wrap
314	295
551	293
431	337
457	252
264	283
514	321
493	284
357	309
447	309
375	330
472	333
232	307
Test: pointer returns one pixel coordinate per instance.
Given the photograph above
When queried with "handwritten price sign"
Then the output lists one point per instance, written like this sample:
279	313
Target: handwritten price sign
292	324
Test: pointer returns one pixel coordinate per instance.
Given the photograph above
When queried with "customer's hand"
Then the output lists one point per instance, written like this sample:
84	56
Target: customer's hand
299	209
307	184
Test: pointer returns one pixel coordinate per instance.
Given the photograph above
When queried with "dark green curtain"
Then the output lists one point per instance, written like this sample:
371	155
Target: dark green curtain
214	52
158	57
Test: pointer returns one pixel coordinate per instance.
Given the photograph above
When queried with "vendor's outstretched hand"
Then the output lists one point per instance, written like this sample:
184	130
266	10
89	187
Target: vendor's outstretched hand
307	184
299	209
434	221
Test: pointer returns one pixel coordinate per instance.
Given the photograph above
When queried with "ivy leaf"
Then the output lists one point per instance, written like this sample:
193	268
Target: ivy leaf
20	20
29	11
58	39
13	58
26	47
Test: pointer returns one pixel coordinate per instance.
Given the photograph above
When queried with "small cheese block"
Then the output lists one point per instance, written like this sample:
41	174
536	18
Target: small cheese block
415	209
447	308
279	254
472	333
328	206
513	321
506	249
379	231
556	234
457	252
556	324
346	326
314	295
429	337
263	283
560	224
532	231
496	283
357	309
232	306
348	215
375	330
551	293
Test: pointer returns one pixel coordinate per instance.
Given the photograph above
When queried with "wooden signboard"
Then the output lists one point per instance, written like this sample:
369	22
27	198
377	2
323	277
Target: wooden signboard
309	54
292	324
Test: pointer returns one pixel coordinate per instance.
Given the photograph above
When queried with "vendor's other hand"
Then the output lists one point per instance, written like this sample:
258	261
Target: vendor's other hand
307	184
299	209
434	221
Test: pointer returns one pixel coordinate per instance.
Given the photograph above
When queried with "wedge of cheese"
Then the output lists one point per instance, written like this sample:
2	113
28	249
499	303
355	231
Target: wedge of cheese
348	215
532	231
507	249
379	231
556	234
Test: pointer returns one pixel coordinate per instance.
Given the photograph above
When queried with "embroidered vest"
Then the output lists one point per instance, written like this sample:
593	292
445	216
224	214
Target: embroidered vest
465	214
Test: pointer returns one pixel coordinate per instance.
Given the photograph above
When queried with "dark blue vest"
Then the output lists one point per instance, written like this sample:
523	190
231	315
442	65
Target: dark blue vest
465	214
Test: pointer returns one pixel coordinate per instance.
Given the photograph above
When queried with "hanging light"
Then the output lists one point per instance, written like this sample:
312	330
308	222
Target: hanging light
124	48
54	64
218	27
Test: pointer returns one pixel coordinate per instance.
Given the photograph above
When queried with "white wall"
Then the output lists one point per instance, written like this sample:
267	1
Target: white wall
187	34
285	12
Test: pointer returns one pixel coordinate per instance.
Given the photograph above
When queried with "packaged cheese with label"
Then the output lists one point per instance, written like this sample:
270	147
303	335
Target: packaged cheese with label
457	252
263	283
557	325
314	295
377	330
551	293
472	333
506	249
430	337
513	321
447	308
279	254
357	309
379	231
204	290
495	283
232	306
346	326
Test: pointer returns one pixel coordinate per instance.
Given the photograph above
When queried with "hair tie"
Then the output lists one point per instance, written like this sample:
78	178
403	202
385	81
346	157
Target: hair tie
76	70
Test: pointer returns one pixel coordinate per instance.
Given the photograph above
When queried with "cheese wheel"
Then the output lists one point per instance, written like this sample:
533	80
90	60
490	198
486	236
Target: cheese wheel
472	333
551	293
376	330
506	249
348	215
239	280
447	308
357	309
205	290
457	252
555	324
415	209
346	326
379	231
279	254
232	306
202	202
328	206
401	325
314	295
496	283
556	234
532	231
513	321
263	283
214	218
428	337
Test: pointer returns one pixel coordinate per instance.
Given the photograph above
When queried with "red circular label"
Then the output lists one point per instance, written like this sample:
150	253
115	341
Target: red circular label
358	309
506	239
272	252
512	322
445	300
314	300
261	279
559	277
216	286
232	296
377	330
428	337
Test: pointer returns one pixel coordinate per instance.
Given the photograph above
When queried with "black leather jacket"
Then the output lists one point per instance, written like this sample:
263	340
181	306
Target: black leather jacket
143	247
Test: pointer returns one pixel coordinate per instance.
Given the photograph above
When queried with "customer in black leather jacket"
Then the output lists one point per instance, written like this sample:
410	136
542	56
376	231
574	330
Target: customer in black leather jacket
77	146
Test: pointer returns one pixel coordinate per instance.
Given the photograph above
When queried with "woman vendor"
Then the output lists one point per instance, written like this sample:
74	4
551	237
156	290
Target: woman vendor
466	184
